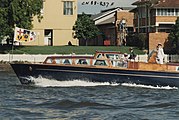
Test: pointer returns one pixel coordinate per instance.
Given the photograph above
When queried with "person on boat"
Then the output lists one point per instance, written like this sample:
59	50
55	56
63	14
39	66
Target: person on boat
132	54
160	54
125	60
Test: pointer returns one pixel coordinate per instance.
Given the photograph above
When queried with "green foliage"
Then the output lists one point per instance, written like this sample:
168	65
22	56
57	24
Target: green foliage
3	23
174	36
137	40
19	13
85	28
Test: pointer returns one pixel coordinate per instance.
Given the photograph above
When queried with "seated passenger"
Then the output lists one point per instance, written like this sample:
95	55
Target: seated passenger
132	54
82	61
124	60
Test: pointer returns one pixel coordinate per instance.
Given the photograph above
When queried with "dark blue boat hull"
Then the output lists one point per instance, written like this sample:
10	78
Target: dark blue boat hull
94	74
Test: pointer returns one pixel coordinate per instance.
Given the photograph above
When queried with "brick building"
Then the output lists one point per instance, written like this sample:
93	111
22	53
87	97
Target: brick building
155	18
109	23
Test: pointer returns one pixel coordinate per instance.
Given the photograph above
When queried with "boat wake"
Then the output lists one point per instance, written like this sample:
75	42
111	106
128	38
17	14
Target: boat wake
44	82
148	86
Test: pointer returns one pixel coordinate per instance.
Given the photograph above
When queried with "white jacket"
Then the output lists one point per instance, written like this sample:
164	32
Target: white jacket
160	53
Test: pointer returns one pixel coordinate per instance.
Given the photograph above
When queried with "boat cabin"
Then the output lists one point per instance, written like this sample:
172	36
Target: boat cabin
100	58
109	59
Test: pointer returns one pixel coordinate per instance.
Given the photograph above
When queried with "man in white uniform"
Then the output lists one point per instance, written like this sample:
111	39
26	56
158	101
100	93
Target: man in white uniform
160	54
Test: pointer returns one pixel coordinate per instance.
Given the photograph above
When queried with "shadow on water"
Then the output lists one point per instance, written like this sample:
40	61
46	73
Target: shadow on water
69	104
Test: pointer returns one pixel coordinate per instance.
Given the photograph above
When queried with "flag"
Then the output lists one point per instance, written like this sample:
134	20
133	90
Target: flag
24	35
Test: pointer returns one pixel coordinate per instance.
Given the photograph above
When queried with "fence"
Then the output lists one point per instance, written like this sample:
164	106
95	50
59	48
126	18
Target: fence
36	58
22	57
40	58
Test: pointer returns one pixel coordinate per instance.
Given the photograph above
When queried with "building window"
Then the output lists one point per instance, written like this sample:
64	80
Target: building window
158	12
170	12
177	12
68	8
166	12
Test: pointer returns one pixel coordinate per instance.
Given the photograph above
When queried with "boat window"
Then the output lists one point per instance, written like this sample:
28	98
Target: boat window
100	56
117	57
57	60
66	61
177	68
113	56
82	61
100	62
110	56
49	60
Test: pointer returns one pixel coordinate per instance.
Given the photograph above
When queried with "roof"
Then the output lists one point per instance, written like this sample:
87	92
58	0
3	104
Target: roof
104	13
127	8
107	21
167	3
159	3
106	16
110	16
139	2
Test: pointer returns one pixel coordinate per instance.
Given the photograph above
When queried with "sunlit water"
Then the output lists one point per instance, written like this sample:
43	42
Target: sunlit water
82	100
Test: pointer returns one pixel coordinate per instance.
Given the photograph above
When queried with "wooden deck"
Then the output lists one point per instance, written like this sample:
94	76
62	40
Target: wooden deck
153	66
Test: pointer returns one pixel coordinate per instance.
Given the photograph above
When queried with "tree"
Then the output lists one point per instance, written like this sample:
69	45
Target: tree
85	28
18	13
137	40
174	36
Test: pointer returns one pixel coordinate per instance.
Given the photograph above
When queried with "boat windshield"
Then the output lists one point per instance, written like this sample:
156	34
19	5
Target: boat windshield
113	56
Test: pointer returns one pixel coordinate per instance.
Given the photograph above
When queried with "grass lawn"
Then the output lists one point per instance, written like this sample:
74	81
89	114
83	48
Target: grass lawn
65	49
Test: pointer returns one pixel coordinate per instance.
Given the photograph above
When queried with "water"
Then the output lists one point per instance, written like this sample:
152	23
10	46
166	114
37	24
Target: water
79	100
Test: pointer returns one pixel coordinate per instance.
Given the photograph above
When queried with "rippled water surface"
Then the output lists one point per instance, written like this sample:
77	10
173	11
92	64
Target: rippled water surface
79	100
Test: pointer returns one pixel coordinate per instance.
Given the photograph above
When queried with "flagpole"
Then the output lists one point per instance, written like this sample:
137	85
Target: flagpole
11	52
12	49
